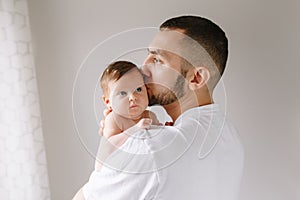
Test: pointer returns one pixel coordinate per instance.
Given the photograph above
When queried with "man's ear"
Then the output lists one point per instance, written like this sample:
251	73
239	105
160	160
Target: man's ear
199	77
106	102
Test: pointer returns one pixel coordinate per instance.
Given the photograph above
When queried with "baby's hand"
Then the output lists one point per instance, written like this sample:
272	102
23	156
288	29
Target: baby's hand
144	123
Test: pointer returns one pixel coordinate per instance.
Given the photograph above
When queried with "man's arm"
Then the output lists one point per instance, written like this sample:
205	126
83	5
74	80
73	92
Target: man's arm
131	171
125	175
79	195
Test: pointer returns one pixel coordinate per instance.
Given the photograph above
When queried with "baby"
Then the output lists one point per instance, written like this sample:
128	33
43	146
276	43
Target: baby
125	95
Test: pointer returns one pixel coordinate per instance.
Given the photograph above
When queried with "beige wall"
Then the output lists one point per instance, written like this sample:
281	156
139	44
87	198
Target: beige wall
261	82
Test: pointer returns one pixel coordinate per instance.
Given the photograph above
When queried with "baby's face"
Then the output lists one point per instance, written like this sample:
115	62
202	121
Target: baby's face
128	95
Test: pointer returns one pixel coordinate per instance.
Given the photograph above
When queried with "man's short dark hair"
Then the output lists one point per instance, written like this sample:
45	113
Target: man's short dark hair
209	35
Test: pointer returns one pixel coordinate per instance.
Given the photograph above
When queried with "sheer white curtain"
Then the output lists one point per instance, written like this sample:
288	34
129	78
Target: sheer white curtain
23	169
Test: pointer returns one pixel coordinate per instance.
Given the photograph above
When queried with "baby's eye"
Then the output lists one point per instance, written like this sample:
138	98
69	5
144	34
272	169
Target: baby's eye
139	89
123	93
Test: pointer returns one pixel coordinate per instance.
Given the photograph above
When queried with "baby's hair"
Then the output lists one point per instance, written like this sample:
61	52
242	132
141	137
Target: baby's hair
114	72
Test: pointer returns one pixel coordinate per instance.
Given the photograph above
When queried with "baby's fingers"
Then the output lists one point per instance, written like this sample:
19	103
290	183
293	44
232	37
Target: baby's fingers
169	123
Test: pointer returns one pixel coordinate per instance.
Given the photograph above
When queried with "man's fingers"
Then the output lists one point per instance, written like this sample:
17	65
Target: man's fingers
101	128
102	123
106	112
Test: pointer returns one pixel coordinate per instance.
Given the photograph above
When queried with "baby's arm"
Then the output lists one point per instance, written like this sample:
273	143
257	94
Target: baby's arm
144	123
110	141
114	133
111	128
118	139
114	137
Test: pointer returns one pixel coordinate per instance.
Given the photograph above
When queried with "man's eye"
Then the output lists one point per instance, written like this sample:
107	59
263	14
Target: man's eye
139	89
156	61
123	93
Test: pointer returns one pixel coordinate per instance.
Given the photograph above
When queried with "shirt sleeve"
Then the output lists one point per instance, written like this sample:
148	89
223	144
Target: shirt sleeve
116	185
128	173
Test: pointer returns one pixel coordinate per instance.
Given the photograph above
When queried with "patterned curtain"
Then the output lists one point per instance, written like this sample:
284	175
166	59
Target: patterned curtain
23	169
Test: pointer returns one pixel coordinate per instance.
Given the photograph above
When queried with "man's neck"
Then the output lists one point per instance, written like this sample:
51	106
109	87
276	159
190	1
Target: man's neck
176	108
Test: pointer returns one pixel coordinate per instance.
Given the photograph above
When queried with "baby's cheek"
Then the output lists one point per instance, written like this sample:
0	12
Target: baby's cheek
115	104
145	98
119	105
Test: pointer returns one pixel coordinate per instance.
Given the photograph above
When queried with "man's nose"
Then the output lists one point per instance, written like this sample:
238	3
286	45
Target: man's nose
146	70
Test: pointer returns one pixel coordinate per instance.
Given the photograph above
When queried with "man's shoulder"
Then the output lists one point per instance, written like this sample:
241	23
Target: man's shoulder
143	140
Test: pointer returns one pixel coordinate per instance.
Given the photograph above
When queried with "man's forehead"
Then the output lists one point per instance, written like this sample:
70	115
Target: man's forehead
178	43
166	40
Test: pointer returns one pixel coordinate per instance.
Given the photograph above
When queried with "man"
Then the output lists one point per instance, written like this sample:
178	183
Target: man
200	157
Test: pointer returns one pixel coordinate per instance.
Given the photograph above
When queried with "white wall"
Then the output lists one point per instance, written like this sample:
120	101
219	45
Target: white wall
262	84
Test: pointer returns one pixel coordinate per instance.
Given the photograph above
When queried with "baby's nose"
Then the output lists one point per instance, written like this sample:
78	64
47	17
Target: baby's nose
132	97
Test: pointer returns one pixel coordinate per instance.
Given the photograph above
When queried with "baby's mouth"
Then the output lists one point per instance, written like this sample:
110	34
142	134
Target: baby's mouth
133	106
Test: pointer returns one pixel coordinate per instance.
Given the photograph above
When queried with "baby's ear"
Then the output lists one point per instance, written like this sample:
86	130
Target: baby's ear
106	101
199	77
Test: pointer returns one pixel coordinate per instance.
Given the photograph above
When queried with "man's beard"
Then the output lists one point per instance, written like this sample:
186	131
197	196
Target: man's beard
169	96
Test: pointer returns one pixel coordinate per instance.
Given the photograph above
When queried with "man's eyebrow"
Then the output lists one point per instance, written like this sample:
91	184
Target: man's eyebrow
154	51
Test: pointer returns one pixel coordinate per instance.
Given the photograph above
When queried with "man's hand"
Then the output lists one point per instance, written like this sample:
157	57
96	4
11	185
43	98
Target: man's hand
105	113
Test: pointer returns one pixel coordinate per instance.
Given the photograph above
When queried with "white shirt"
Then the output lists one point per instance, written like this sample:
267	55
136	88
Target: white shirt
200	157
